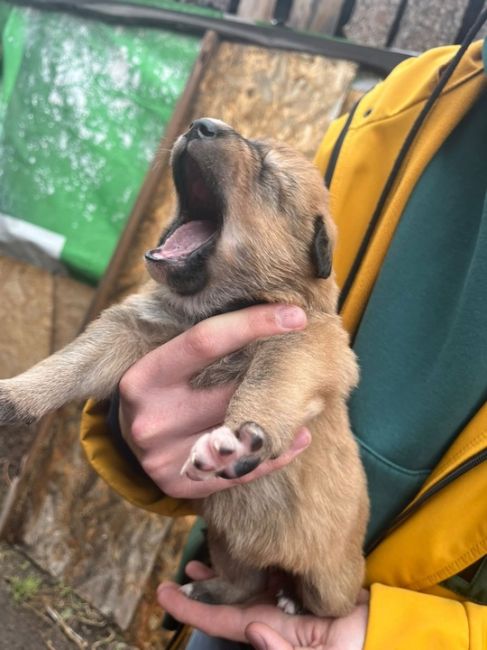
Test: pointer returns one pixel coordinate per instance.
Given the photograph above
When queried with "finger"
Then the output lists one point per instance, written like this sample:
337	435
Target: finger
301	441
363	597
263	637
198	571
218	336
215	620
181	412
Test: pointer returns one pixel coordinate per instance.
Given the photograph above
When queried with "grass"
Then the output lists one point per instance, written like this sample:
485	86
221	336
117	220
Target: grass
24	589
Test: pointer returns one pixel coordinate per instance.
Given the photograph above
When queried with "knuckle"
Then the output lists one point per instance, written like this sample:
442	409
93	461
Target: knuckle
200	342
150	464
139	433
127	387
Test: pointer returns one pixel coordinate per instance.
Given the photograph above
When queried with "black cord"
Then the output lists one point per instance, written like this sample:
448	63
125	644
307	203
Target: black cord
337	147
396	23
445	76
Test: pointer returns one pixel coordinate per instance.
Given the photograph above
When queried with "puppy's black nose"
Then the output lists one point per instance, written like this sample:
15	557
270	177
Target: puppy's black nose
203	128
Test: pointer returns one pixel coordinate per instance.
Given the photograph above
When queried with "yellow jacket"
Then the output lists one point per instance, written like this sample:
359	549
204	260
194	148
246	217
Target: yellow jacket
444	531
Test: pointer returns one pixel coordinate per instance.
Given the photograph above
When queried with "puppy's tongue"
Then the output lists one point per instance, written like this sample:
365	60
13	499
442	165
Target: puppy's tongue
186	239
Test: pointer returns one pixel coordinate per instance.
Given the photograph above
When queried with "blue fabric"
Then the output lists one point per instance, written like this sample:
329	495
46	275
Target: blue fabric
200	641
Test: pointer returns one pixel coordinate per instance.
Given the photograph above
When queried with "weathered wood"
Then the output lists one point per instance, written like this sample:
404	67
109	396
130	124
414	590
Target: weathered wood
39	312
256	9
326	16
315	15
26	311
79	530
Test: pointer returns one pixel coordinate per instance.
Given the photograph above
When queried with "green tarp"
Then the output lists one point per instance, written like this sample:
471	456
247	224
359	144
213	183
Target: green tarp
83	106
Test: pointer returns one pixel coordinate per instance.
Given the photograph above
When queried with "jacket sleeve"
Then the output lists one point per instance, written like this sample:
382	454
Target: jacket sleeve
403	619
116	468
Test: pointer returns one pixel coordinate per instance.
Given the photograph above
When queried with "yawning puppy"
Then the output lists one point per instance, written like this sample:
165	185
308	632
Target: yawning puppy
252	226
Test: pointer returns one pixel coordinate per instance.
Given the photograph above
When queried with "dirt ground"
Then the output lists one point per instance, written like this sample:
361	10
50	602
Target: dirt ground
36	613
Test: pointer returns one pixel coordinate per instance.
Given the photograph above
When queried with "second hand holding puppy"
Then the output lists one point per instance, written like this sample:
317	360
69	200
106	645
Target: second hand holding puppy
161	415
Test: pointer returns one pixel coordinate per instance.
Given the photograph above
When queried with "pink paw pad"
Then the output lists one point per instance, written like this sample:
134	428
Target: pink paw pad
225	453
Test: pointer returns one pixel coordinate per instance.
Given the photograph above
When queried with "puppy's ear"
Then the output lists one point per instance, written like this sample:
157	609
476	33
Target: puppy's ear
321	249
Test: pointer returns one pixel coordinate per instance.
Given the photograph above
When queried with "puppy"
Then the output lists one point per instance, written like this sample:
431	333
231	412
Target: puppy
252	226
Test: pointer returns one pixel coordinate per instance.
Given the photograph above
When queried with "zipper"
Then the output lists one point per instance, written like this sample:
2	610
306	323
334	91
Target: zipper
465	467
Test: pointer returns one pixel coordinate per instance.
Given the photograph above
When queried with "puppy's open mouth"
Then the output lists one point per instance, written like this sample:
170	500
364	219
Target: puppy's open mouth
201	214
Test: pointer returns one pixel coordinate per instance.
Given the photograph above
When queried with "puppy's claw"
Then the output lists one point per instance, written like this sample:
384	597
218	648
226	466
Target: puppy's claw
199	591
286	604
187	589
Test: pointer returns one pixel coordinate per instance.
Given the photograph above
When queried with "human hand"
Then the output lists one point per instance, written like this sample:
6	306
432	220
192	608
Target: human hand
264	625
161	415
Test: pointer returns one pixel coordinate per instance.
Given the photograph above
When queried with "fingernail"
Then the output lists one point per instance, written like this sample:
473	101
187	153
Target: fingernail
290	317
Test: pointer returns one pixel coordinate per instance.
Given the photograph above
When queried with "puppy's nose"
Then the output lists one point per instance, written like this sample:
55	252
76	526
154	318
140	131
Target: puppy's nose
204	129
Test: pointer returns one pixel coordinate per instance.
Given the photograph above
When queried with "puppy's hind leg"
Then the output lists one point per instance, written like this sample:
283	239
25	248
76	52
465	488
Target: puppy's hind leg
331	593
235	582
220	591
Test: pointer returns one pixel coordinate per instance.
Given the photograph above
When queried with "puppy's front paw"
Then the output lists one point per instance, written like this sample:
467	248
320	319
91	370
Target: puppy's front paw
225	453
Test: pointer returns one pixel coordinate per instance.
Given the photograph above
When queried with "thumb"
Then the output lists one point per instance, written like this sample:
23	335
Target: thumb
263	637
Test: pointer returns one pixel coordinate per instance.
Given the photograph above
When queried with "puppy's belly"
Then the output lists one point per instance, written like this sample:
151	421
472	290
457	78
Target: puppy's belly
264	522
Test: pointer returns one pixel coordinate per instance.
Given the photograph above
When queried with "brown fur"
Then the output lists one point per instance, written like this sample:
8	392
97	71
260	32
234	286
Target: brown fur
309	518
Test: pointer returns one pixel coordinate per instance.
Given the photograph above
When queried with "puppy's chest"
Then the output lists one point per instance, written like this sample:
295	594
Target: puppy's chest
231	368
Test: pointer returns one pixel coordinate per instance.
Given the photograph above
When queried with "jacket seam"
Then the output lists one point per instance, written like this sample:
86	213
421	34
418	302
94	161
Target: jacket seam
386	461
462	451
458	564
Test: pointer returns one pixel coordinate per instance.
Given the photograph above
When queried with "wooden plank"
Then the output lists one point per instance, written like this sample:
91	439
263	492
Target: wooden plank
26	312
301	14
79	530
256	9
267	93
319	16
25	316
40	313
326	15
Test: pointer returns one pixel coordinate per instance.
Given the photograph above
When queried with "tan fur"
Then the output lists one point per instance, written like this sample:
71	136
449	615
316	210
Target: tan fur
309	518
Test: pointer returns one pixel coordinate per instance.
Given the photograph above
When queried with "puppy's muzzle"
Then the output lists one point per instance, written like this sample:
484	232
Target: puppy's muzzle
191	238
